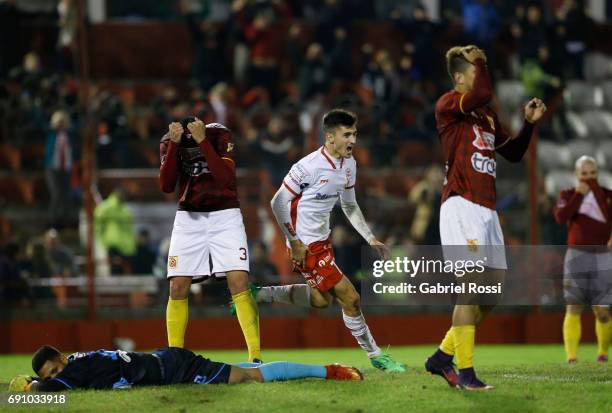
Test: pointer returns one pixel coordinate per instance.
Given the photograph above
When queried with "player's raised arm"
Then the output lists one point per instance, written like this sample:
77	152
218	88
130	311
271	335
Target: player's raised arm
468	68
168	155
513	148
221	166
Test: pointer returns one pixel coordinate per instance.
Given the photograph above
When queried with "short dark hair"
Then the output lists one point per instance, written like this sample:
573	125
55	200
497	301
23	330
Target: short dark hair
338	117
456	61
186	121
42	355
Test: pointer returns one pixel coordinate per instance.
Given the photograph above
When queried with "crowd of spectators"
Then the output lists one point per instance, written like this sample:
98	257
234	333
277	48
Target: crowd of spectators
268	69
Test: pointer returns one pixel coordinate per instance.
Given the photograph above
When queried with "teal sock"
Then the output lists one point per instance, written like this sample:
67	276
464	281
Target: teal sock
284	370
247	365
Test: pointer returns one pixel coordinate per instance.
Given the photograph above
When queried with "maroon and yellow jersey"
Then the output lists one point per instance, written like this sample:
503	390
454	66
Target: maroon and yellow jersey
205	172
468	145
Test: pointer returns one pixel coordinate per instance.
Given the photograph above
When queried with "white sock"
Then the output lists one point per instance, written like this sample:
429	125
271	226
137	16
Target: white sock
296	294
359	329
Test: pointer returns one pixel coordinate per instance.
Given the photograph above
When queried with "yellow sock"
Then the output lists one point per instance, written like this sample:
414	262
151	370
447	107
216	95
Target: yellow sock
464	338
604	334
177	314
448	343
248	317
572	330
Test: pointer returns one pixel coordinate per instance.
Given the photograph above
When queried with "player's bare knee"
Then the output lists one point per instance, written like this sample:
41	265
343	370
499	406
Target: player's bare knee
237	282
319	301
179	288
602	313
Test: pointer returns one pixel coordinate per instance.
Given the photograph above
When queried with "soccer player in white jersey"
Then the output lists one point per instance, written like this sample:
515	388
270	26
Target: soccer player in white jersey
302	207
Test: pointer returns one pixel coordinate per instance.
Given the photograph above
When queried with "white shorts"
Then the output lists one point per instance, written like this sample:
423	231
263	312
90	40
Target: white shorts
207	243
466	223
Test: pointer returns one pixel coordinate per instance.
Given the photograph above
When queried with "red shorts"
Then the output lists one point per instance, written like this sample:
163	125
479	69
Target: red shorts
320	269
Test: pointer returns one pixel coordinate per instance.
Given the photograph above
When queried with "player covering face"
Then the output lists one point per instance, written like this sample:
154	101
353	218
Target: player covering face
471	135
119	369
208	236
302	207
587	279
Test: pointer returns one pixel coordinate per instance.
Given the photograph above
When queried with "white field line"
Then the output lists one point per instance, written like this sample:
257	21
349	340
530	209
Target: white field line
550	378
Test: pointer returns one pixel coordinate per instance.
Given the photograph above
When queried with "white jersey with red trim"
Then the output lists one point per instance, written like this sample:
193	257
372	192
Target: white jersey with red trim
317	180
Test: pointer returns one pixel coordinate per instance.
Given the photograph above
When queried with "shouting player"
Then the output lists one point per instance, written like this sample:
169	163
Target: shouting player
470	134
302	207
587	279
119	369
208	237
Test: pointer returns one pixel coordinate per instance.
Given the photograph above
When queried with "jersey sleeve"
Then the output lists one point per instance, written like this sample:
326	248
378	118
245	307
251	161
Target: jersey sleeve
299	178
224	141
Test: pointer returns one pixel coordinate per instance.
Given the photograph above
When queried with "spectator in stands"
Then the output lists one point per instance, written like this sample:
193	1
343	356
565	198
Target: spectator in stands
314	74
60	155
114	228
208	38
341	56
425	195
36	266
66	39
422	33
275	147
531	34
576	26
262	269
144	259
481	24
13	286
60	257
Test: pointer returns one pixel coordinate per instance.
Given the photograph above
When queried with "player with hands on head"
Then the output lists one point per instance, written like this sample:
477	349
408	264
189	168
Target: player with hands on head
471	135
208	237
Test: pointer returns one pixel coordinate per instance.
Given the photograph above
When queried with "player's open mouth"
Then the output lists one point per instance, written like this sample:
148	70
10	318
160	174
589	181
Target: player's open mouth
349	149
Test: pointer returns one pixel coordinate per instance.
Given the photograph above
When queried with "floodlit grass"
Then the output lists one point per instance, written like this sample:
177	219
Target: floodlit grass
527	379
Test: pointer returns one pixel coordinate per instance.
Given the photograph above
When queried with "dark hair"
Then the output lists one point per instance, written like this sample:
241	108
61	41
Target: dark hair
42	355
338	117
185	122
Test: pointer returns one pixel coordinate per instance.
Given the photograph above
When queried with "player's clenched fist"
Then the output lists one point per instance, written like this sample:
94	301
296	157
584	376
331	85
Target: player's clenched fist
298	253
198	130
176	131
534	110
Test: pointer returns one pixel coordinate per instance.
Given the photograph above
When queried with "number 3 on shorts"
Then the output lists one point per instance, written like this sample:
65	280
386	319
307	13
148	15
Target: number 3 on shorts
243	257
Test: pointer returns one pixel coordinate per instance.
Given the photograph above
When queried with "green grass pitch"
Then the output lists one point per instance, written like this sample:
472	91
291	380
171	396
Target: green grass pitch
527	379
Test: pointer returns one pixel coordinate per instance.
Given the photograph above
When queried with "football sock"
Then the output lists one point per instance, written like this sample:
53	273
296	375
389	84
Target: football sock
248	317
604	333
177	314
448	343
297	294
284	370
464	338
572	329
359	329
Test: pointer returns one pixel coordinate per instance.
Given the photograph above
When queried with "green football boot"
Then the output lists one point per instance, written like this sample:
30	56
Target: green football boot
386	363
254	292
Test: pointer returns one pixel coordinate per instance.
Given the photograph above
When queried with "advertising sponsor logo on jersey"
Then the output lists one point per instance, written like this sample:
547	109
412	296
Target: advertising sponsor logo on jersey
484	141
188	154
196	168
484	164
319	196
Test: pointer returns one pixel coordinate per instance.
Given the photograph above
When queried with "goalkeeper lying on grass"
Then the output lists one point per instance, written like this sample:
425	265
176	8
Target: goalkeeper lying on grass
120	369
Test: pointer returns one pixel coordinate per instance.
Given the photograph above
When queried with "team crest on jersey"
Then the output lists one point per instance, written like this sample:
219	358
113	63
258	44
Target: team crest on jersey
173	261
484	141
230	147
